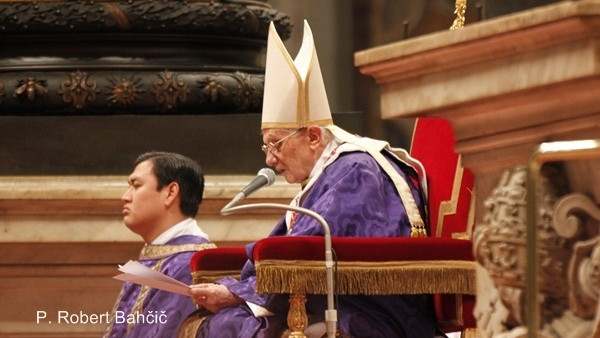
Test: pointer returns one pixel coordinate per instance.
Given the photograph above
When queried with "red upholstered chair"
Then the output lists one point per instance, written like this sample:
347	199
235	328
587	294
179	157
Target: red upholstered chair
451	209
441	264
368	266
210	265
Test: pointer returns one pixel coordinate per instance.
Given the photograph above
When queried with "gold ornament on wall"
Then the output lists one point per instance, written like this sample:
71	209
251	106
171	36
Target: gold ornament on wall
212	89
78	89
124	91
460	9
168	90
30	88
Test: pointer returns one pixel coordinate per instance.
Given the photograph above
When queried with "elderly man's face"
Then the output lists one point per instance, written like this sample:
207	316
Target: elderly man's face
293	157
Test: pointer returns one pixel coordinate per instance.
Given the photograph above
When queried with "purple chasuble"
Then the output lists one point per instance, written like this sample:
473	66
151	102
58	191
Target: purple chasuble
141	311
357	199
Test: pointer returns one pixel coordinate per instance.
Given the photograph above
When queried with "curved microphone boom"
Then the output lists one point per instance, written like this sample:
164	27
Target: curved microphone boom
269	175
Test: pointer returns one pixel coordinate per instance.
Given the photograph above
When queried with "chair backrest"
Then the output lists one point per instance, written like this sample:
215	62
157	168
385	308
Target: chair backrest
450	206
450	186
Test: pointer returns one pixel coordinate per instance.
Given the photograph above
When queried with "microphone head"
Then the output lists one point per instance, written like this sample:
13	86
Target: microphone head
269	174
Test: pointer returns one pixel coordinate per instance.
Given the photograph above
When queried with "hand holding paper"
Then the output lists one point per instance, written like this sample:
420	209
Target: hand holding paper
136	272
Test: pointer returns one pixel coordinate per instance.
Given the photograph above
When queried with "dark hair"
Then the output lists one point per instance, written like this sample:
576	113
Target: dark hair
172	167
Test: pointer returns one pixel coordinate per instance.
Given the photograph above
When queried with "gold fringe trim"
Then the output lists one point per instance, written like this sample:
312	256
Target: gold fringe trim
367	278
211	276
418	230
162	251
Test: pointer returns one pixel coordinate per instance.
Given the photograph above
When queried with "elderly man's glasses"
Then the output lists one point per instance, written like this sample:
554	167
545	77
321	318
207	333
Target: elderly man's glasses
274	147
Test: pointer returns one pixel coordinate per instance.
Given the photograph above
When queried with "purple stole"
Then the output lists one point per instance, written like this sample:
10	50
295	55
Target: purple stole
141	311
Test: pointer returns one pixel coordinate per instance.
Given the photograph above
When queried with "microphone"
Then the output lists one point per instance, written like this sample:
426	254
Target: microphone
264	178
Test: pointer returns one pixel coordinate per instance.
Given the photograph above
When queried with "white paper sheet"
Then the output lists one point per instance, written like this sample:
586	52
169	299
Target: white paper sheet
138	273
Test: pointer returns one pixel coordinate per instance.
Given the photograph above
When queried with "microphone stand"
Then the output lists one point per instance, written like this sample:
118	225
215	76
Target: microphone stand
330	313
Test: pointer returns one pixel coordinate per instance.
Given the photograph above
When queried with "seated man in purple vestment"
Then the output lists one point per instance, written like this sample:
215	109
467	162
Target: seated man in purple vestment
164	194
361	187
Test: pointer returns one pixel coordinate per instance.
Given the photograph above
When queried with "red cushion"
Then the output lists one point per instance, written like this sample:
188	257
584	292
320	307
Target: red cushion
364	249
219	259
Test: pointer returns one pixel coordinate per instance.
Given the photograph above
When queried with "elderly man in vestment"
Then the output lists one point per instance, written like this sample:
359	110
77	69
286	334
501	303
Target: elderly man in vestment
360	186
164	194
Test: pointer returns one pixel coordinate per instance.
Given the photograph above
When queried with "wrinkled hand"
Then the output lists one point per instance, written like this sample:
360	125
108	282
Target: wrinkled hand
213	297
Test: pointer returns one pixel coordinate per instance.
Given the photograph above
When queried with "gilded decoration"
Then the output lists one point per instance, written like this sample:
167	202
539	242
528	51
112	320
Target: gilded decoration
246	93
388	277
212	89
78	89
31	88
138	306
162	251
297	318
238	89
211	276
216	46
169	90
459	11
125	90
449	207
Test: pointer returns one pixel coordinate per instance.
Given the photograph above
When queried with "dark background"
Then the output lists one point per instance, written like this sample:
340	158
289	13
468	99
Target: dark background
229	144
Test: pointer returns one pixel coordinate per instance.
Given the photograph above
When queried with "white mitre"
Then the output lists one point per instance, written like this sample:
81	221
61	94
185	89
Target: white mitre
295	97
294	93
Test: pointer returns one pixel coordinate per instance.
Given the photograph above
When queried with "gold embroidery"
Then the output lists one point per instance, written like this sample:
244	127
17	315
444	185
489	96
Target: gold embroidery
189	327
211	276
162	251
111	322
152	252
138	307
